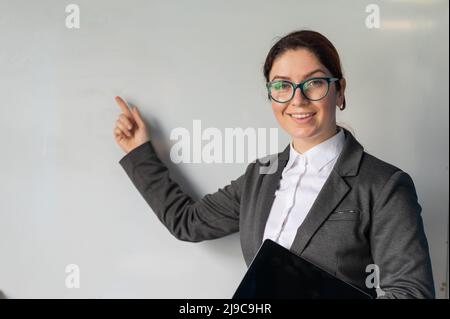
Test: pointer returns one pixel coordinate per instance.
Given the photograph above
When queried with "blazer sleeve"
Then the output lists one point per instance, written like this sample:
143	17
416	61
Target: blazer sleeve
213	216
398	242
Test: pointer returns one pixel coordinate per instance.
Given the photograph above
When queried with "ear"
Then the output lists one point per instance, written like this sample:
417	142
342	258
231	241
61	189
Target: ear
341	93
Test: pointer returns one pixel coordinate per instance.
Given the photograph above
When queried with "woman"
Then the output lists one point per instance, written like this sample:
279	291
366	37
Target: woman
327	200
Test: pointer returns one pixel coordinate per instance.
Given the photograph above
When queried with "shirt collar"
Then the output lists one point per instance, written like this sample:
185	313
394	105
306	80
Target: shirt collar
321	154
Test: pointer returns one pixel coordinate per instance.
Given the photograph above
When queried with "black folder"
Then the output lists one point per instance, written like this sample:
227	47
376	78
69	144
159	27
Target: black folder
276	272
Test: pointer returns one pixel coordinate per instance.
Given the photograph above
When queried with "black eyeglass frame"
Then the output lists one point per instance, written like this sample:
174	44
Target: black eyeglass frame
301	86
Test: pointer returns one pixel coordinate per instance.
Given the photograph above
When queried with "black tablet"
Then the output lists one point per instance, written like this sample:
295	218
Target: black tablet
276	272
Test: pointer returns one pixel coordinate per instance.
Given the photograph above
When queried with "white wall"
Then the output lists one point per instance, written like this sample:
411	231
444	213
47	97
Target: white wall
64	199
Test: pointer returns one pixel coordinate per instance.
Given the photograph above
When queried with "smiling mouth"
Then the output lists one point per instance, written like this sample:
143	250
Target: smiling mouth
302	115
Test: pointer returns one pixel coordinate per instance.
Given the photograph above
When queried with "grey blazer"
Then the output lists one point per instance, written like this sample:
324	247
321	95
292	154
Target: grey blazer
366	213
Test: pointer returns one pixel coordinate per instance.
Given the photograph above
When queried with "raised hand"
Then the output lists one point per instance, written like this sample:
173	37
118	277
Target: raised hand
130	130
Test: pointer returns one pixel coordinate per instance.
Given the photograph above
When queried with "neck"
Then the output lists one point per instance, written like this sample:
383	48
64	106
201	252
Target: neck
302	145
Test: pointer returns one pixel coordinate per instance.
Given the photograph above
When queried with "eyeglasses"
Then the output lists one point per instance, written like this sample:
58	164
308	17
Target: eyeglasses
314	89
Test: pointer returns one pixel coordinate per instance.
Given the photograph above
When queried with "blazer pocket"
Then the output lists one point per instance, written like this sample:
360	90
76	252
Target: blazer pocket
348	214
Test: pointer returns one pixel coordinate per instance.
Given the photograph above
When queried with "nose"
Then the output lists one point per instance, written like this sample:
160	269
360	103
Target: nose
298	98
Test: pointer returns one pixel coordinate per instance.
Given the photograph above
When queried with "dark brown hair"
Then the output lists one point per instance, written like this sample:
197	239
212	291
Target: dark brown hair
316	43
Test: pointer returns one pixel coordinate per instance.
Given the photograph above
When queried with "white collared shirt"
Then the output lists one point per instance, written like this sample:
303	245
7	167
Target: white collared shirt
301	181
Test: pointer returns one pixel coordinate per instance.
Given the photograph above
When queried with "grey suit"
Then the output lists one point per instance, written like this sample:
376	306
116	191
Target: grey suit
366	213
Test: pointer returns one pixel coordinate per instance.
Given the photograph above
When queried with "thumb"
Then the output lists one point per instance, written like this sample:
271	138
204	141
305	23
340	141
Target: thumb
137	117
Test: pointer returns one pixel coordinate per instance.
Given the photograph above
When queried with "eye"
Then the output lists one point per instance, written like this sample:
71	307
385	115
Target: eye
280	85
314	83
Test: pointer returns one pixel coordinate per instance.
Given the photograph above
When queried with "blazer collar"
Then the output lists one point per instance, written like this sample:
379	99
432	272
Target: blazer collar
332	192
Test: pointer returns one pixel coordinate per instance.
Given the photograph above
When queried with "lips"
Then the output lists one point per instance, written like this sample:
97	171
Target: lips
302	117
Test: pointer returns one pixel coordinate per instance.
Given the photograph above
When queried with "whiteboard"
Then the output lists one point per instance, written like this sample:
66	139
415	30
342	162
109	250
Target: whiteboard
65	200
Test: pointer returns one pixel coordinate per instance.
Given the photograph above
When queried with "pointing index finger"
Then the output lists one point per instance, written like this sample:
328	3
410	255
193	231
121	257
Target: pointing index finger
123	106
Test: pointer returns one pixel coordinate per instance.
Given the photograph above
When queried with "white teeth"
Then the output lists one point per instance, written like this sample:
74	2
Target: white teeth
301	116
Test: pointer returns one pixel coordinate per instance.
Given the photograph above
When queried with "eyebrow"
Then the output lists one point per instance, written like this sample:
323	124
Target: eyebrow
306	75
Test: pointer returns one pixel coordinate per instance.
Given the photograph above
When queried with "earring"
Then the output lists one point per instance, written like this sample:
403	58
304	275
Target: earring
341	107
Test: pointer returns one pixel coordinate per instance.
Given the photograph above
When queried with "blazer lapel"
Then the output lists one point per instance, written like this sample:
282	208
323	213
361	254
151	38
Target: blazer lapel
332	192
269	185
